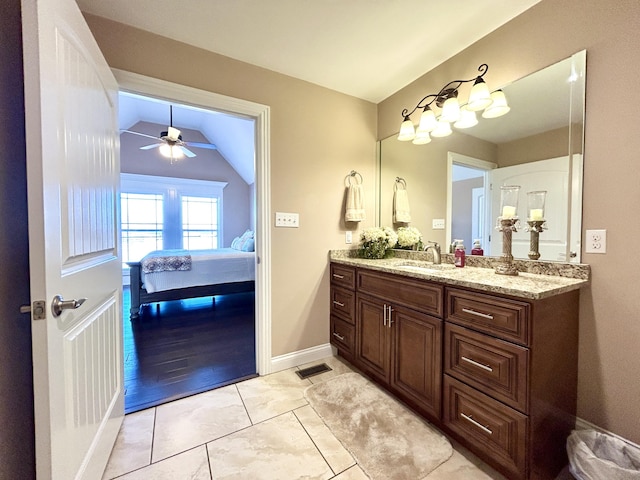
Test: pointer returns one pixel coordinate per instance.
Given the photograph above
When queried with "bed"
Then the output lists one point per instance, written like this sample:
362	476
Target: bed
165	275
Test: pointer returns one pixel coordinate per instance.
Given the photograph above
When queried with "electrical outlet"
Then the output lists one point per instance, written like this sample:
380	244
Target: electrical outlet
348	236
596	241
291	220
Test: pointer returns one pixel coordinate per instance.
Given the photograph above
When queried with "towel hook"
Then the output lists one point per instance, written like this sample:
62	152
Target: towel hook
353	174
401	181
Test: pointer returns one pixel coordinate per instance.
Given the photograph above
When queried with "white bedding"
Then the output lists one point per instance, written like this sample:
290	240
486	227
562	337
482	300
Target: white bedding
208	267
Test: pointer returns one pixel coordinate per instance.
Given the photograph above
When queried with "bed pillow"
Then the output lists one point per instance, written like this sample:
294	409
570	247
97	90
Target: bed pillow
248	245
245	242
247	234
236	243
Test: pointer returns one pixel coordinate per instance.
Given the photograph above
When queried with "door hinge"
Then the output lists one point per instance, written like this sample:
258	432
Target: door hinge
37	310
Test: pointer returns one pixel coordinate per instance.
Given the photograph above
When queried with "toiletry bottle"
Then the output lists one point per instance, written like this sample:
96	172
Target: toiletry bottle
477	249
459	255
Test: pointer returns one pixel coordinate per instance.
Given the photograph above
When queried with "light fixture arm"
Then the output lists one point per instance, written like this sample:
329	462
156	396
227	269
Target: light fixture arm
449	90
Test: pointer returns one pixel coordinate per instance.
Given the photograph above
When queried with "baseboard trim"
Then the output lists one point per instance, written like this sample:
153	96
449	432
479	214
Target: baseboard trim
293	359
582	424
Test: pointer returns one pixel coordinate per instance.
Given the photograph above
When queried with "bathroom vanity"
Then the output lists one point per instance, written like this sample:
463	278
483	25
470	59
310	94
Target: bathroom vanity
489	359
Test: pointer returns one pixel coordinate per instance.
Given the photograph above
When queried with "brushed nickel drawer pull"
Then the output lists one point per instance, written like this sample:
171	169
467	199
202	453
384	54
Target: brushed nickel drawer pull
335	302
338	336
384	315
479	425
339	277
477	364
478	314
389	316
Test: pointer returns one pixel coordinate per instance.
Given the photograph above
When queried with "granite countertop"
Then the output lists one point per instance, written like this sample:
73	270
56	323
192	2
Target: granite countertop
525	285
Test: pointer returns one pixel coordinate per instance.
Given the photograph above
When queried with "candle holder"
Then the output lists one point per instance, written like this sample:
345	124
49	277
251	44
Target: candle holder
535	228
536	222
507	224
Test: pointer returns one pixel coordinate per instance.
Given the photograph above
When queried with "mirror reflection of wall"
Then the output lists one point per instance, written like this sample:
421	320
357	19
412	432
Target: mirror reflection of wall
545	122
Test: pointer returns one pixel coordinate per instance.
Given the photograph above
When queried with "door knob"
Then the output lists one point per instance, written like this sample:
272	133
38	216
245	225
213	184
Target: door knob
59	304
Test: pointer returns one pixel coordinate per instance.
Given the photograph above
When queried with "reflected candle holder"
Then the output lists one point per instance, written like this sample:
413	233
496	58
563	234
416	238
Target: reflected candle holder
507	224
535	228
536	221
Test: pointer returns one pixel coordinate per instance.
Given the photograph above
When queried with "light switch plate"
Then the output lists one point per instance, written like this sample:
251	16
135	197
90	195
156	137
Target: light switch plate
291	220
438	223
348	236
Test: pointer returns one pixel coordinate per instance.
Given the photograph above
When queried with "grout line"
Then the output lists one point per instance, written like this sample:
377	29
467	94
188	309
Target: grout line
312	440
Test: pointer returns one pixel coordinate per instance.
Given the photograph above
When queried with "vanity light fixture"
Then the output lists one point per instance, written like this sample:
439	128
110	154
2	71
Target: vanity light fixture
494	105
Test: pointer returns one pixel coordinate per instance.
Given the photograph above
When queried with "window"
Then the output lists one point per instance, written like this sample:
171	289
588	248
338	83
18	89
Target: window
163	212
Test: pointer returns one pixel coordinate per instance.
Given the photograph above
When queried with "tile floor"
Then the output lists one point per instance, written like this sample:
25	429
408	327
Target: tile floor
261	428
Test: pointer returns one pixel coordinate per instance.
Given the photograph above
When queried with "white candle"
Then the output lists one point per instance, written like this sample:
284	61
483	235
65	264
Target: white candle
508	211
535	214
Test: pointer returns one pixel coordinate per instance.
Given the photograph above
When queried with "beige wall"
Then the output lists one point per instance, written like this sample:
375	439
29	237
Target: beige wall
551	144
609	384
206	165
317	137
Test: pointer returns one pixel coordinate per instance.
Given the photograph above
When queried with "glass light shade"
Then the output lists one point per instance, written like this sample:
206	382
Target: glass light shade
422	138
479	97
467	118
407	131
171	151
443	129
509	201
428	121
451	109
535	204
499	106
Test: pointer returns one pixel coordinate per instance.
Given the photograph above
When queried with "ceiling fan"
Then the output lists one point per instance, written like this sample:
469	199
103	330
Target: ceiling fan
171	145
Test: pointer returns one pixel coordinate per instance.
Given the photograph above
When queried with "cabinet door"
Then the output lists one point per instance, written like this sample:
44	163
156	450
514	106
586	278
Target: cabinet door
373	337
417	367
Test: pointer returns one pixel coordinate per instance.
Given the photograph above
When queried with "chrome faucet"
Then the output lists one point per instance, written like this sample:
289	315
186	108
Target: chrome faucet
437	259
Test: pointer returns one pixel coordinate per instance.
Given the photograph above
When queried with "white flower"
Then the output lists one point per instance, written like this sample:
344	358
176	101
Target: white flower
408	236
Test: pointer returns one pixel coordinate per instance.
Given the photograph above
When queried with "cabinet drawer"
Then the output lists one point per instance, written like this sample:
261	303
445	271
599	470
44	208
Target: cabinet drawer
343	275
507	319
342	334
491	429
495	367
343	304
420	295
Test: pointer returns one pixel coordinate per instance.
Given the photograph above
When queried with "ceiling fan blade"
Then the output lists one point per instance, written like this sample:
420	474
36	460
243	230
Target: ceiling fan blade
187	152
210	146
138	133
149	147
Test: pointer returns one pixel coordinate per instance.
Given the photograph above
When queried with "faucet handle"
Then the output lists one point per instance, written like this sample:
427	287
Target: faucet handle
436	245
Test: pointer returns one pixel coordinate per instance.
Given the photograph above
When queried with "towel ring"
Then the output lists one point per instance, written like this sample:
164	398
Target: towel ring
353	174
399	181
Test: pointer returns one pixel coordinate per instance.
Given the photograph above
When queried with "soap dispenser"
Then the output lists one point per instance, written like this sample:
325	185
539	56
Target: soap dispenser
477	248
459	254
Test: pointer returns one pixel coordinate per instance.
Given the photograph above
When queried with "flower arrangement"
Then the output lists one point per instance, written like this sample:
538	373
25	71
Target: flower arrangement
409	237
377	242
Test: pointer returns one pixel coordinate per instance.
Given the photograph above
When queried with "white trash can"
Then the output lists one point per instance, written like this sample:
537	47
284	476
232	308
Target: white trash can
598	456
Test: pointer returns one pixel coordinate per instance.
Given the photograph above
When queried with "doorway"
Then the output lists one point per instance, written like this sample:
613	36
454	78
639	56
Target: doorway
258	115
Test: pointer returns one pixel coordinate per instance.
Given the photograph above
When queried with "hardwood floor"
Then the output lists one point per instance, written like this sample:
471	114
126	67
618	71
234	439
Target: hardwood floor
176	349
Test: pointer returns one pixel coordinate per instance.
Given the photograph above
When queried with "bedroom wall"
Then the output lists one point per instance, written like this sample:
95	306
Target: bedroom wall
206	165
17	437
608	384
317	137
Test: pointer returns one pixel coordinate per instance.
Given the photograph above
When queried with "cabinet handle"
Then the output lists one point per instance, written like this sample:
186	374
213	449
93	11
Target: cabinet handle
477	364
335	302
389	316
473	422
339	277
339	337
384	315
477	314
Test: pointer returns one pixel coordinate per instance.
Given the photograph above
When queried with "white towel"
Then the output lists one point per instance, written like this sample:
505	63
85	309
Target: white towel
401	210
355	204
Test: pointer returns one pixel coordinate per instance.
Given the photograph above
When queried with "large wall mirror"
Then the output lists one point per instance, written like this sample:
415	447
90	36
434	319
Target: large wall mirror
537	145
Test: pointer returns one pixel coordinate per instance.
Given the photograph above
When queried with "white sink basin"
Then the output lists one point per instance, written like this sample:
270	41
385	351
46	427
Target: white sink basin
426	268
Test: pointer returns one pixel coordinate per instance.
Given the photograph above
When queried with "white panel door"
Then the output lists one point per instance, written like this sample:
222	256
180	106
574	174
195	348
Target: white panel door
551	175
73	171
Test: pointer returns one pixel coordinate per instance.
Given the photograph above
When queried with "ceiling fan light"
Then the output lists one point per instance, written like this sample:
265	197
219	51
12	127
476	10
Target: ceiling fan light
443	129
479	97
499	106
171	151
428	121
407	131
451	109
467	119
173	133
165	150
